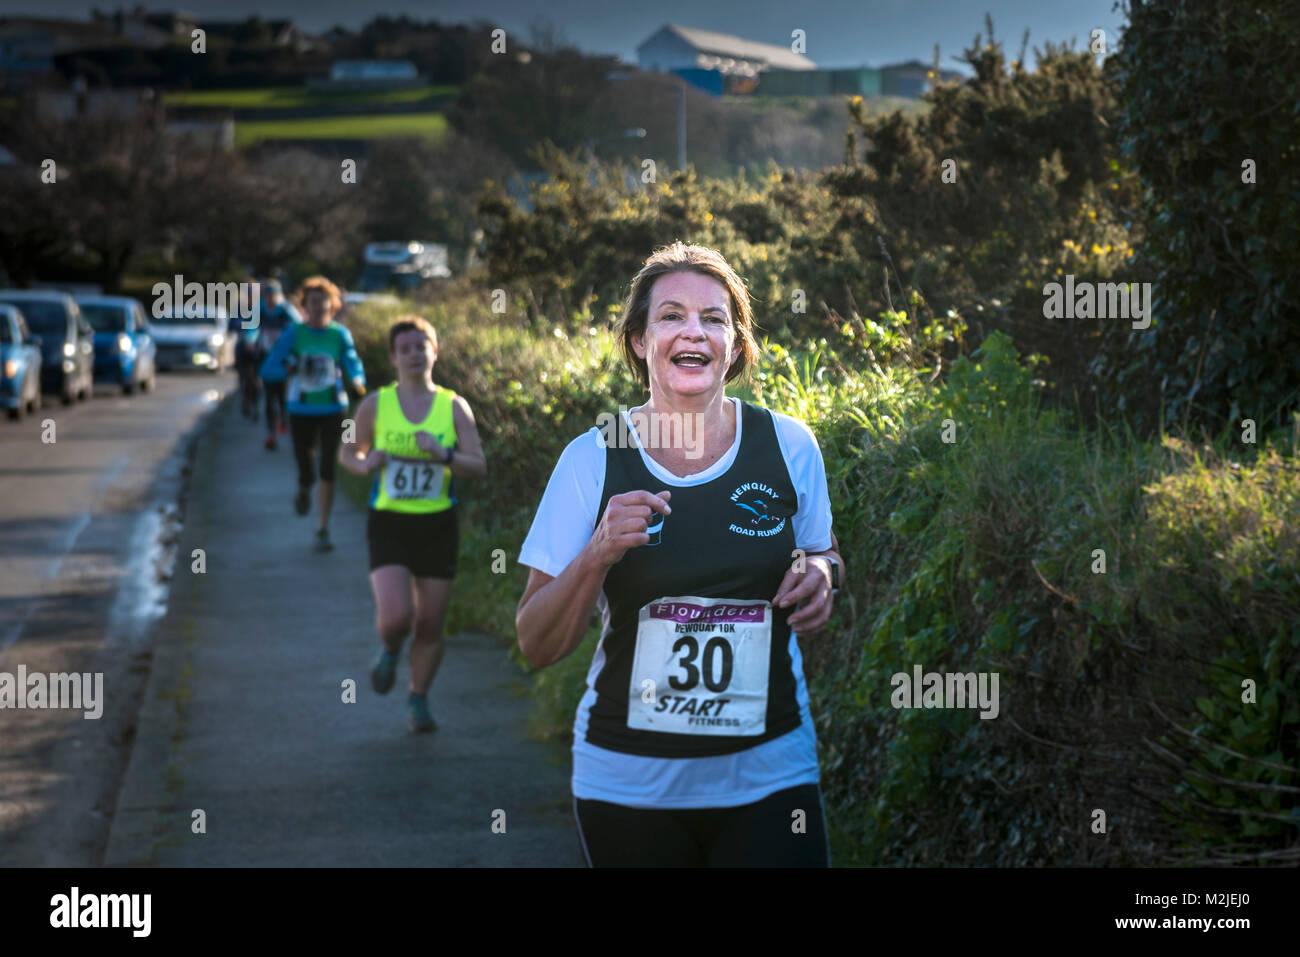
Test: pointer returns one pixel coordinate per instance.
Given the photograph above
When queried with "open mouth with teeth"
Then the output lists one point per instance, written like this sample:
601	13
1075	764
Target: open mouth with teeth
691	360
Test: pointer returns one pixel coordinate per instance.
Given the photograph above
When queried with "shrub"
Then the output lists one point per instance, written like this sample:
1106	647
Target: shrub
1207	87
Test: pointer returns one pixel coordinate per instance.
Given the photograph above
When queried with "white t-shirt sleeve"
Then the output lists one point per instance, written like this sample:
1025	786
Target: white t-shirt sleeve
803	457
566	518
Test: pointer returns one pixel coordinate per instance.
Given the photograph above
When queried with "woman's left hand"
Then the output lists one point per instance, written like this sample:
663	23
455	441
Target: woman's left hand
812	587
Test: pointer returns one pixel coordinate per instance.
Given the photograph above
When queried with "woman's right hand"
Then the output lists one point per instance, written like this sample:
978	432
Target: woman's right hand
624	524
375	460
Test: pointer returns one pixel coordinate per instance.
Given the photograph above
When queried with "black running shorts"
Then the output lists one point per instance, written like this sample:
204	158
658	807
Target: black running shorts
785	829
423	544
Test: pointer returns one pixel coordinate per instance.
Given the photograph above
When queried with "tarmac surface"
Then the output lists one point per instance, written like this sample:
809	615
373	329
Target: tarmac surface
89	513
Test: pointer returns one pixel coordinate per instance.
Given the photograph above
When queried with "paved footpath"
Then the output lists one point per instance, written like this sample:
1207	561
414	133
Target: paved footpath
244	720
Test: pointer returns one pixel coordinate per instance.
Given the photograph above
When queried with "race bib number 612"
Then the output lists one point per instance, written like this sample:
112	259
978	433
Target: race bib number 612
708	661
412	479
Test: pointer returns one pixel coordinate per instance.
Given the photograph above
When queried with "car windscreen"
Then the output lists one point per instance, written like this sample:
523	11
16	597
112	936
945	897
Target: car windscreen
105	318
6	330
43	318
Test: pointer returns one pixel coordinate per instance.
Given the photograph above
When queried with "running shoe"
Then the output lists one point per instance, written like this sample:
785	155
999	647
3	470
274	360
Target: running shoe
269	444
302	502
284	427
417	708
323	543
383	672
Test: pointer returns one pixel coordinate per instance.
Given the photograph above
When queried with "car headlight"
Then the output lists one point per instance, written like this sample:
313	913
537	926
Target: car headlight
11	368
123	342
69	349
216	339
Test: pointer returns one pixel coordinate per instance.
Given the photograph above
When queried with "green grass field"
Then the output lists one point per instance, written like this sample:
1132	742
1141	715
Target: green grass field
289	96
424	125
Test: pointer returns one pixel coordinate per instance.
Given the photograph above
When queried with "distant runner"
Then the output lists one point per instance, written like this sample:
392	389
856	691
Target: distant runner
316	356
247	360
277	314
417	439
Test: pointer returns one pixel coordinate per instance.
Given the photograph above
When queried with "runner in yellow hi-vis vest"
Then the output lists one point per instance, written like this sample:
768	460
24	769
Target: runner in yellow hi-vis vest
417	439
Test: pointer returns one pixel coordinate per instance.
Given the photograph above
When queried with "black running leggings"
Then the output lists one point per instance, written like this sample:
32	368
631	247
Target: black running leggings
310	431
274	403
767	833
246	361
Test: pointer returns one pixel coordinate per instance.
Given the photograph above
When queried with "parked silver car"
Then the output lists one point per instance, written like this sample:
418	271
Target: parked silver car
193	340
67	341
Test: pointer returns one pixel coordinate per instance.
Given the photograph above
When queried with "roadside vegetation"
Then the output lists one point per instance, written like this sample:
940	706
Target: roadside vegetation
1048	500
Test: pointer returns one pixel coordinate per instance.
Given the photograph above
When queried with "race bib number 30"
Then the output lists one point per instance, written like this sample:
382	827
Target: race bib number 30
412	479
701	667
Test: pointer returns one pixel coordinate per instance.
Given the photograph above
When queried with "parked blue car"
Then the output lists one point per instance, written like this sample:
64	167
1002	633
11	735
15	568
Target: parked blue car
20	364
67	341
124	347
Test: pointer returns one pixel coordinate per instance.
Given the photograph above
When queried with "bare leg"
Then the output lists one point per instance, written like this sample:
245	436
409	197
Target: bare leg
392	587
324	502
427	647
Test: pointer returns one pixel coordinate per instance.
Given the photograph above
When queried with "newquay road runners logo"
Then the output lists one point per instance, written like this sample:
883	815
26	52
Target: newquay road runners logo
57	690
133	911
756	501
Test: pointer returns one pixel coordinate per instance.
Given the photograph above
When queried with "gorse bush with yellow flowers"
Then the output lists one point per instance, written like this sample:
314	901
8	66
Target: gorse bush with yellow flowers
1036	192
1009	493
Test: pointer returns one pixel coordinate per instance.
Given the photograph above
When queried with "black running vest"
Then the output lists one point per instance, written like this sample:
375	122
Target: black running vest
731	537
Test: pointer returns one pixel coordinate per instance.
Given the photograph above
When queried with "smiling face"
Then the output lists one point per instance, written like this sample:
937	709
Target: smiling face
413	354
689	339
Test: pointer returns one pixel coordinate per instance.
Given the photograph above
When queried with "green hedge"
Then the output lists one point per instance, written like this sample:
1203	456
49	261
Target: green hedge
1120	690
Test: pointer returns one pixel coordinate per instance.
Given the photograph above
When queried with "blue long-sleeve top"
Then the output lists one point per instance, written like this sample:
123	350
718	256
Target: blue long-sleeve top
324	358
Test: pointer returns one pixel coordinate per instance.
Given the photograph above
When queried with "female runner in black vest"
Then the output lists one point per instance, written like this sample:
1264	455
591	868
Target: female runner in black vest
700	527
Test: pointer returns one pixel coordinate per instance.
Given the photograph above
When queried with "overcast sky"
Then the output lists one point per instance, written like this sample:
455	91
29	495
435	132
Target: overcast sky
839	32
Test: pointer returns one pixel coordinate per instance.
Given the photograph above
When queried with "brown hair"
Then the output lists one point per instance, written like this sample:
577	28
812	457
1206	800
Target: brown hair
681	257
325	286
410	324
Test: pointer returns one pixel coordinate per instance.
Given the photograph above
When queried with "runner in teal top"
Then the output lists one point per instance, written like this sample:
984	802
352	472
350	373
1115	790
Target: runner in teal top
316	355
316	362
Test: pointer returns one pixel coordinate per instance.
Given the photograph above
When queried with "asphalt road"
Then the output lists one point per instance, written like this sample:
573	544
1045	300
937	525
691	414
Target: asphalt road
232	703
81	517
